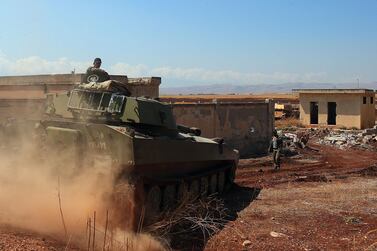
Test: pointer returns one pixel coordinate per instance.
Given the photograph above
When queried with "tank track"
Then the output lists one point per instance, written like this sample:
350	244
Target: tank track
142	201
165	195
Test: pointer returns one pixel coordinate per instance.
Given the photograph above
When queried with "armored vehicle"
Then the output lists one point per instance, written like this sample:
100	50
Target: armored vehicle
143	144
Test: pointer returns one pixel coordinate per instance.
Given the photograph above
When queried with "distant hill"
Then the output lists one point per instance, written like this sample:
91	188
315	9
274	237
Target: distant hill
265	88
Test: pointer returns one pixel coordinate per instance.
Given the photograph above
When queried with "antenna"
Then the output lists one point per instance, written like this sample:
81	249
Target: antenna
358	83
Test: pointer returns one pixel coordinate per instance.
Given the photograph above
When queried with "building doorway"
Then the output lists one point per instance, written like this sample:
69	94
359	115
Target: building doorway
331	113
313	112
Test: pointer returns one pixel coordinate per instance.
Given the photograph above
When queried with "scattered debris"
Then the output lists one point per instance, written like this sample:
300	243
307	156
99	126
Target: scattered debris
246	243
351	139
342	139
312	178
277	235
307	161
370	131
293	142
353	220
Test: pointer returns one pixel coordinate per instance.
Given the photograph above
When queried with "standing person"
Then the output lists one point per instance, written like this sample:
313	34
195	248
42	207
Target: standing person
275	147
95	73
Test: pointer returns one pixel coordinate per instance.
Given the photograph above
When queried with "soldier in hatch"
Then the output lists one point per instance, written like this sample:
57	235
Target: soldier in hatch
95	73
275	147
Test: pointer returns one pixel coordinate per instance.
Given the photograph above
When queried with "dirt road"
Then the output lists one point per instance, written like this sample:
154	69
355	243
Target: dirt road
323	199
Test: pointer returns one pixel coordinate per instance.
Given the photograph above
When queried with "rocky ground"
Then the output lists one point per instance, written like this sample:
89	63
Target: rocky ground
323	198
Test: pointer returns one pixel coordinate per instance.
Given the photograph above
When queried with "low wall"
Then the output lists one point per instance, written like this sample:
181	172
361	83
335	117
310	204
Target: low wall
244	126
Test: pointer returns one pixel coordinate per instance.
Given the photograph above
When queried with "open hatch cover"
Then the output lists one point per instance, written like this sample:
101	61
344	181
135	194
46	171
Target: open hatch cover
97	102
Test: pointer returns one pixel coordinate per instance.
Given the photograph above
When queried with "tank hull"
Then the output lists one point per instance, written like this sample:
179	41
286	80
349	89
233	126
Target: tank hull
150	156
159	169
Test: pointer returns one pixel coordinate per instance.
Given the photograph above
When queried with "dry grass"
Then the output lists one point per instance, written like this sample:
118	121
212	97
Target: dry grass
203	217
106	237
192	218
288	122
355	195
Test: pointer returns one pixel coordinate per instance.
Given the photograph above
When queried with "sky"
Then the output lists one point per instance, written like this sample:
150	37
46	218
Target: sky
194	42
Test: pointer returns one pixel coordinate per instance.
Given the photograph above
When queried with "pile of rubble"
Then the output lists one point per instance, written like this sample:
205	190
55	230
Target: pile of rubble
345	139
292	141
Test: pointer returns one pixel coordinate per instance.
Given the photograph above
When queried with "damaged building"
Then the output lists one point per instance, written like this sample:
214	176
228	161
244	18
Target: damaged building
349	108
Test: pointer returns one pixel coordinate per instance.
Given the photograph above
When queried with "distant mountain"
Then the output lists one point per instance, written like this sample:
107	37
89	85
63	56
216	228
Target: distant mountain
265	88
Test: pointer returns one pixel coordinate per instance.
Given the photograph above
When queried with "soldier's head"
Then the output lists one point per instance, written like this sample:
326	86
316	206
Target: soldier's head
97	62
275	133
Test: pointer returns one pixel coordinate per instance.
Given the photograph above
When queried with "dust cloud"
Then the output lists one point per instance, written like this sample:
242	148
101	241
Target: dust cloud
31	180
30	183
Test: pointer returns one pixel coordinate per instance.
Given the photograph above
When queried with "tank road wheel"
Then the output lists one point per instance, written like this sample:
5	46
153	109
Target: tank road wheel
213	184
152	204
182	191
168	198
203	187
229	181
221	182
194	189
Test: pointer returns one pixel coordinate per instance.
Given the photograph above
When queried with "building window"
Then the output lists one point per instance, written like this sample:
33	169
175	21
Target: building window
364	100
371	100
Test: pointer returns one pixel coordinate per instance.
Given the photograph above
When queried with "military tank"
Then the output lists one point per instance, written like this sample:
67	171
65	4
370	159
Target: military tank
161	161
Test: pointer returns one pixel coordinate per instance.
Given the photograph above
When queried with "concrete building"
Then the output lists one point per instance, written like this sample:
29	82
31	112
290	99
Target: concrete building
350	108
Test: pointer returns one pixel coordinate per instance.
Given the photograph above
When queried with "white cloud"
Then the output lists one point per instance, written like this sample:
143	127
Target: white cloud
171	75
129	70
37	65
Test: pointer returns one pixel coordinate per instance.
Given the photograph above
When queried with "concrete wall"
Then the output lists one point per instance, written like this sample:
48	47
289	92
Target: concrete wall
351	112
244	126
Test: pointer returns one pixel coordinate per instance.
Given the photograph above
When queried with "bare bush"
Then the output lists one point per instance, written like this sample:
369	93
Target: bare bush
205	216
289	122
